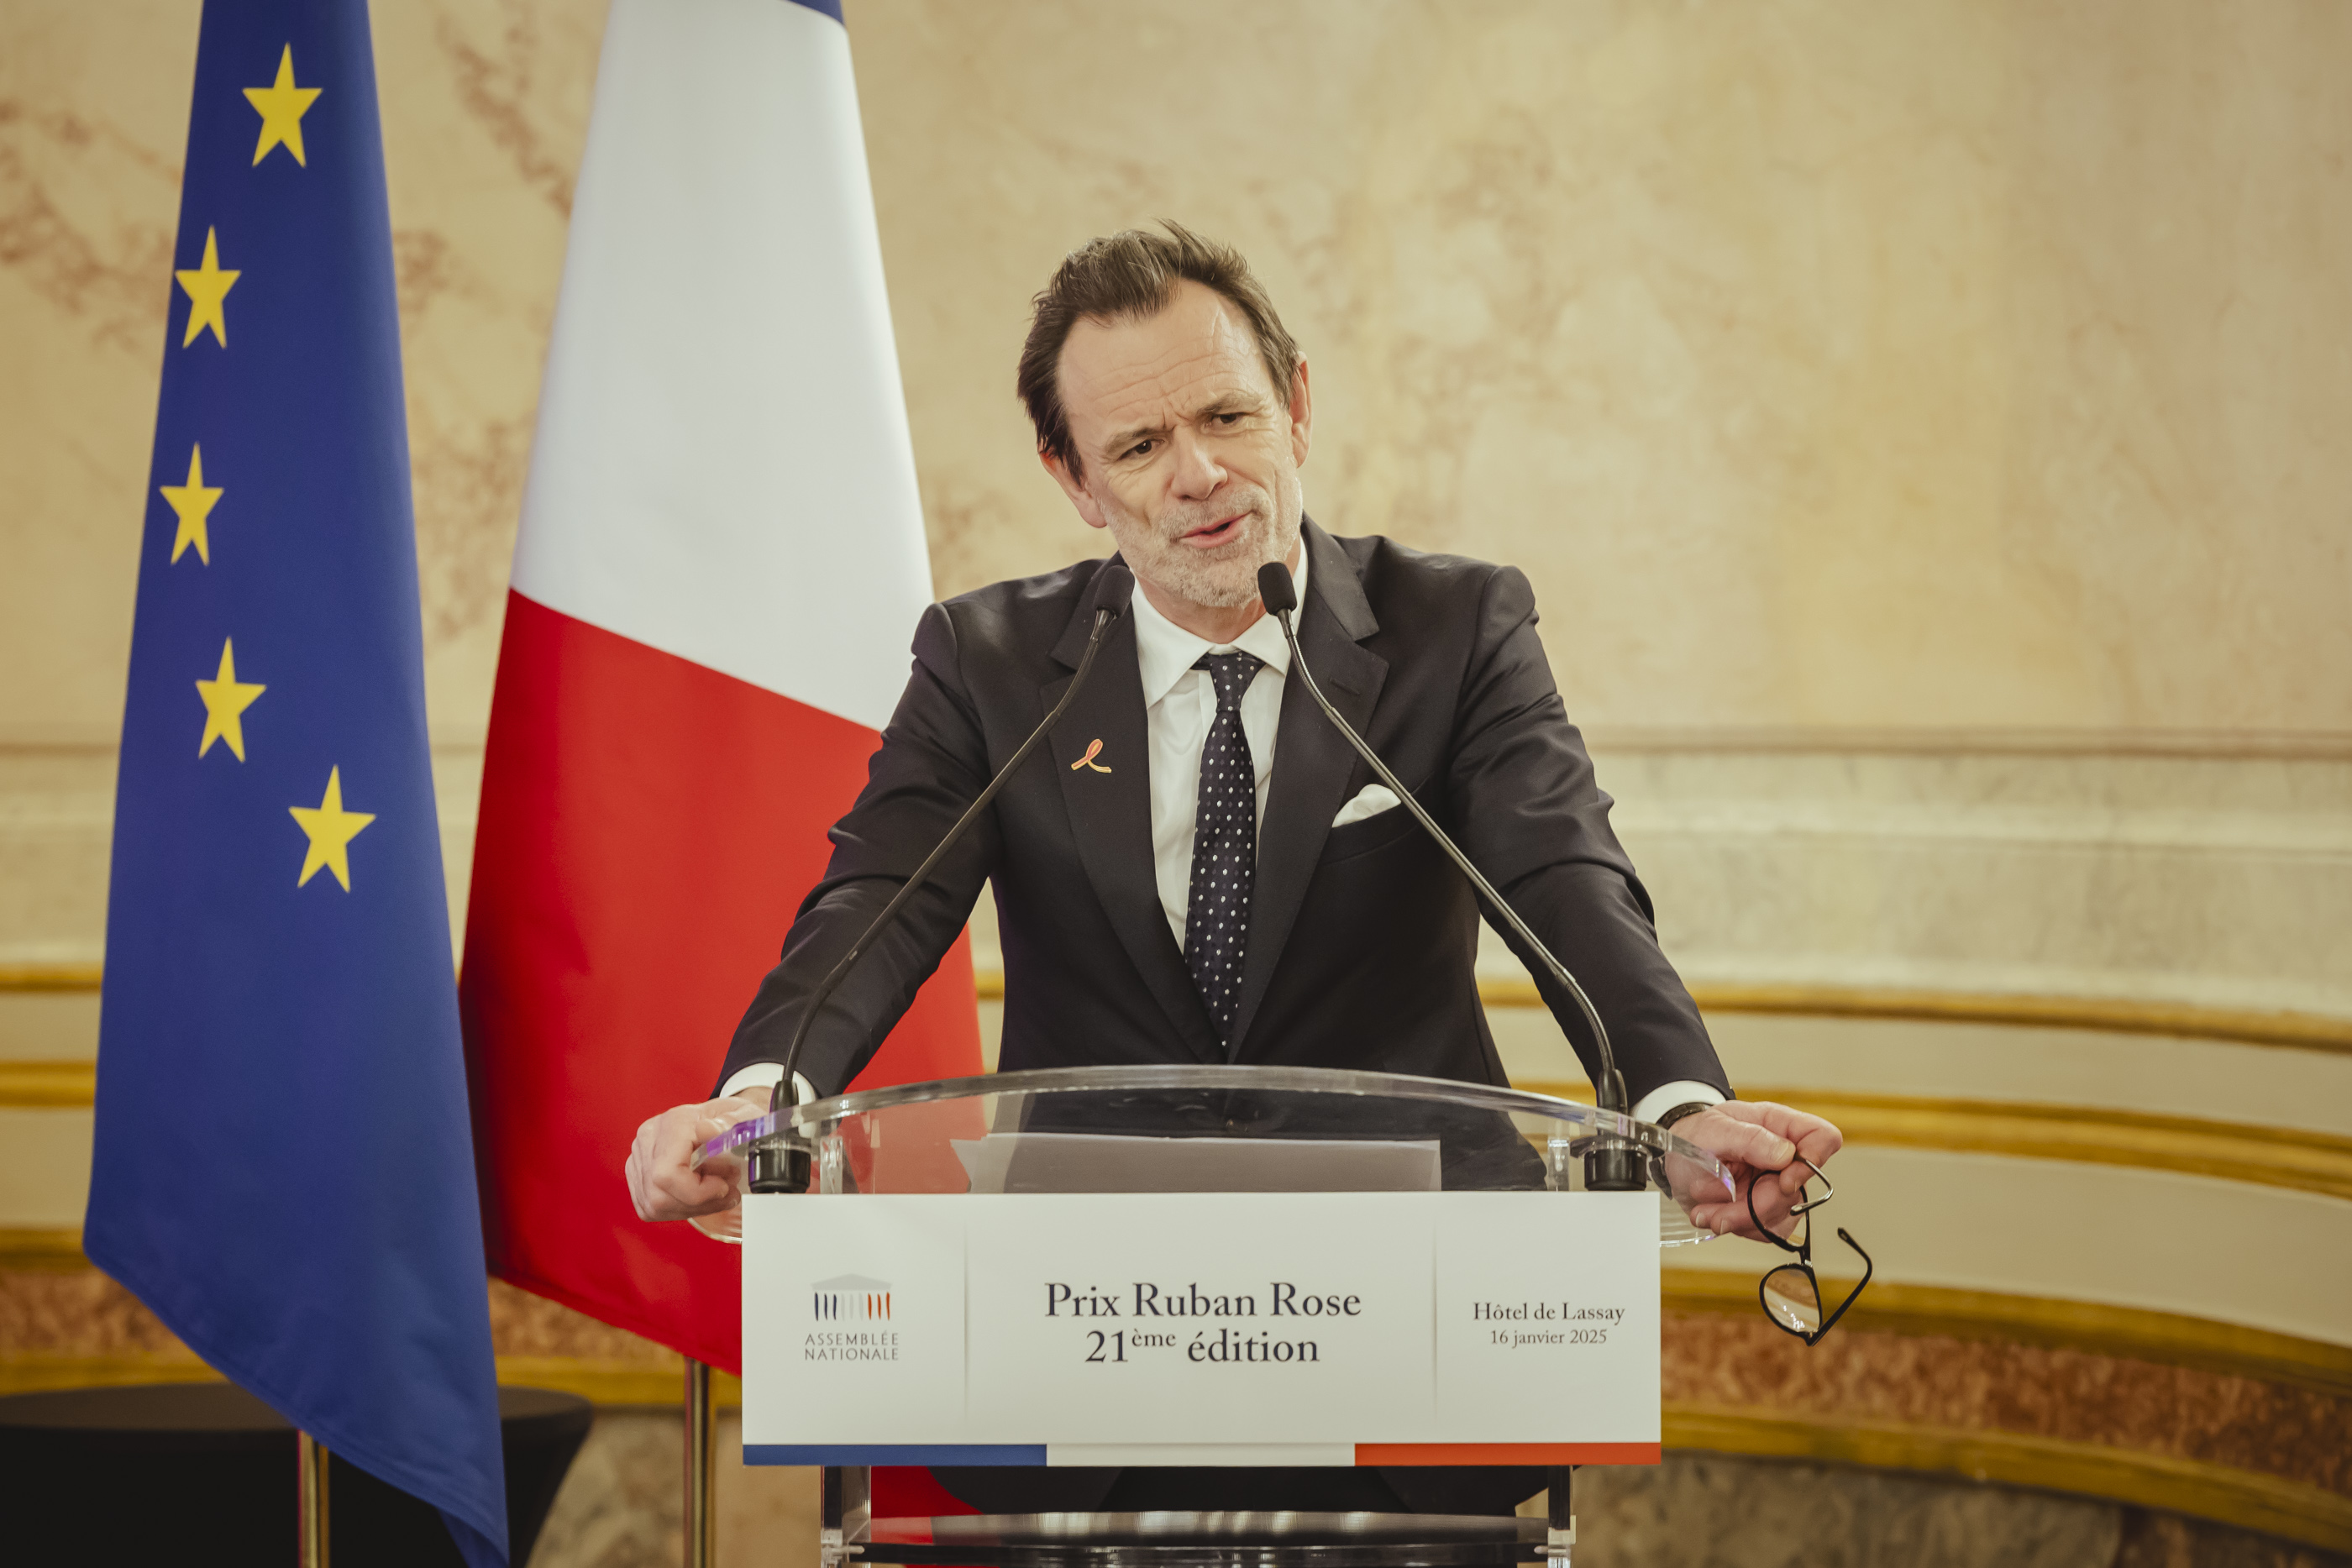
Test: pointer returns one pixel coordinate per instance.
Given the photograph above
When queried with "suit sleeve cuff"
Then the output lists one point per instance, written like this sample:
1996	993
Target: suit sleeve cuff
768	1074
1667	1096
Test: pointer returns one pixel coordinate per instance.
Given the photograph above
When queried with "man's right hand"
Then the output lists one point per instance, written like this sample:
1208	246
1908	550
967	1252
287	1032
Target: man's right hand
663	1181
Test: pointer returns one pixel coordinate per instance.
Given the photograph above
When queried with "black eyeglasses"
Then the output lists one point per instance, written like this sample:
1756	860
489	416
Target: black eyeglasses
1791	1293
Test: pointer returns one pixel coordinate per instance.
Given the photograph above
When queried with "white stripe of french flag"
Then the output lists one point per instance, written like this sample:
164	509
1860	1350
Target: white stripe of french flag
721	566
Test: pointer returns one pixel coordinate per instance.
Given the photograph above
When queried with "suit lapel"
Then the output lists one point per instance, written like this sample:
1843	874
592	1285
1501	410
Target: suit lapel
1111	815
1312	762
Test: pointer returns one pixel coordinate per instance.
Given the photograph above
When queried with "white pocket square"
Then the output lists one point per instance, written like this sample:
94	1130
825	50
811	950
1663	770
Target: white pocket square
1370	801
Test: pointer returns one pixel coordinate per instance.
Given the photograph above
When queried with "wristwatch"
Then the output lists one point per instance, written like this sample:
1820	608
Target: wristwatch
1687	1108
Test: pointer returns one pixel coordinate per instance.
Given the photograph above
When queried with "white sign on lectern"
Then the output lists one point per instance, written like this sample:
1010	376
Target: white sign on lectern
1314	1328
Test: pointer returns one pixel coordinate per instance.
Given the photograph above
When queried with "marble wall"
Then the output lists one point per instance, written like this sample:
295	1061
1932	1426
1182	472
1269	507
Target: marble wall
485	106
1952	379
1909	417
1942	365
1921	425
1710	1511
1697	1510
621	1506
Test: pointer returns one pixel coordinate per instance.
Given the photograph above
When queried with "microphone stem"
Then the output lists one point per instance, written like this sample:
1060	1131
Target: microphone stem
1608	1087
1103	619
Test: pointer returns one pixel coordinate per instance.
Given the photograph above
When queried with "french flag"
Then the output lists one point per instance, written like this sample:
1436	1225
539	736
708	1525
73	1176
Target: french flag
721	566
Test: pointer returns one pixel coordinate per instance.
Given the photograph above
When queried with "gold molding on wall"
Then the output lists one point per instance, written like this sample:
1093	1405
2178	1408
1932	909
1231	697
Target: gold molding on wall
2134	1334
2245	1498
2264	1156
1985	740
2261	1155
48	1085
41	1251
1982	740
2111	1015
2088	1135
39	1371
614	1382
49	977
2105	1015
604	1383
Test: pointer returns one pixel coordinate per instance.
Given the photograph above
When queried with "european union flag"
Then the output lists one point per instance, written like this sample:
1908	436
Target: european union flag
284	1168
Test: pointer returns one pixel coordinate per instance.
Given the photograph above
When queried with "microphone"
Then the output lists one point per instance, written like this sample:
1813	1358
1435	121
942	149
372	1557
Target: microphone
782	1165
1611	1167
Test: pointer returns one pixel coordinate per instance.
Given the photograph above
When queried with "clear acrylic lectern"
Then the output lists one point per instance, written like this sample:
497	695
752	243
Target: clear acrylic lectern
1149	1132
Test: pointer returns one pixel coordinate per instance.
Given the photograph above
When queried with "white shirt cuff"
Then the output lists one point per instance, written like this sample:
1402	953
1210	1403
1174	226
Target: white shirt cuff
768	1074
1667	1096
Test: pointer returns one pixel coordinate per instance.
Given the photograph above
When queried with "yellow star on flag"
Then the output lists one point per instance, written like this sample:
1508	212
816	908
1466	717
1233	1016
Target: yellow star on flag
207	285
331	829
281	106
225	700
194	503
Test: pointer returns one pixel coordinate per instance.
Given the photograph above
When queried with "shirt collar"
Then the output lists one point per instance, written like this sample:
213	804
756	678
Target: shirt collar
1165	652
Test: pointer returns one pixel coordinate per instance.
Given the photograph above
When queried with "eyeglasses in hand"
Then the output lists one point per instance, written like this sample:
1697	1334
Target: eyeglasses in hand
1791	1293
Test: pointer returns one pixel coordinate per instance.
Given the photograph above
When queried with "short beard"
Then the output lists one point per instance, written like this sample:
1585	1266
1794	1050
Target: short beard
1224	579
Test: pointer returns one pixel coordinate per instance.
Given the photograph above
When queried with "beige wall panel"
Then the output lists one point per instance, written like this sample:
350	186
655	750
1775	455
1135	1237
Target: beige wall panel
1941	364
48	1026
93	122
457	791
44	1169
1936	365
57	822
56	827
1960	377
485	111
2257	1085
2257	1256
2220	882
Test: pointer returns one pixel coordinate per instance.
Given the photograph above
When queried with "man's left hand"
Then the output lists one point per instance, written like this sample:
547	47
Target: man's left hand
1759	1143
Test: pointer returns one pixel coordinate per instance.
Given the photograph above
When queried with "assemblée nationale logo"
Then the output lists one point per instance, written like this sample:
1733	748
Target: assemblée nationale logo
853	1298
843	1300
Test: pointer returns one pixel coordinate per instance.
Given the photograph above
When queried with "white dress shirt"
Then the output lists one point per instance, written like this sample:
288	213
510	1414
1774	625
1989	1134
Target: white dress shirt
1179	703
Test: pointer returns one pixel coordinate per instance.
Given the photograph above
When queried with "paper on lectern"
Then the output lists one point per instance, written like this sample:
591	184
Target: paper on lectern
1094	1162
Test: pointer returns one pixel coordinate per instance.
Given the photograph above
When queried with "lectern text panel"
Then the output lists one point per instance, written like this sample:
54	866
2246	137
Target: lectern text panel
1002	1325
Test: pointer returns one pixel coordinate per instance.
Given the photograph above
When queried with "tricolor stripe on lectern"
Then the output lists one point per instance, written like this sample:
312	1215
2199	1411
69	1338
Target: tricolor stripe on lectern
721	566
1100	1454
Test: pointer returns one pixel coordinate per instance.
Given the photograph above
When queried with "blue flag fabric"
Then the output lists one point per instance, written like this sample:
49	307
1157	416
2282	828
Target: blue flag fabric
284	1166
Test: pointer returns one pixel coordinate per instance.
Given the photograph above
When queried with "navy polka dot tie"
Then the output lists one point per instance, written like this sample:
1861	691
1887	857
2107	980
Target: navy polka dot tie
1225	846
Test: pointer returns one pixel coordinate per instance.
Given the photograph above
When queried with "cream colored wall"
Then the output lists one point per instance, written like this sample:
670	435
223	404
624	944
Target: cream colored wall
1922	425
1899	367
1902	368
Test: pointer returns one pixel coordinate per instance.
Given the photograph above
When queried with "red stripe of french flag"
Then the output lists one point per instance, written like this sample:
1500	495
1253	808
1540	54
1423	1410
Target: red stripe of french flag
720	564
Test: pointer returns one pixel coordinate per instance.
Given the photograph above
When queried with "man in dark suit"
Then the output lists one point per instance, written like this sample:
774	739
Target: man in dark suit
1202	870
1361	938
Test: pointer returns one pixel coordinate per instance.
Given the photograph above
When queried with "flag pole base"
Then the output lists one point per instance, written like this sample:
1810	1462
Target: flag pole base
701	1471
310	1458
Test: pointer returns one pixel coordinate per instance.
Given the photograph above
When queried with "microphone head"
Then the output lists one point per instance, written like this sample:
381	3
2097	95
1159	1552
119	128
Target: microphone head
1274	586
1114	586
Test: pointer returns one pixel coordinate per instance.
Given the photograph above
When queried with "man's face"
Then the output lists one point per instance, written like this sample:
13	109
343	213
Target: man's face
1187	454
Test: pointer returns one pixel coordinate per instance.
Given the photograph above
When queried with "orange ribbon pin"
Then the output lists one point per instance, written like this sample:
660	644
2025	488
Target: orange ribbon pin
1094	749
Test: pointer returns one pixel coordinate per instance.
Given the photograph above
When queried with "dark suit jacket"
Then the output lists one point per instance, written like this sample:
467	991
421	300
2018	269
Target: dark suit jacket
1361	938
